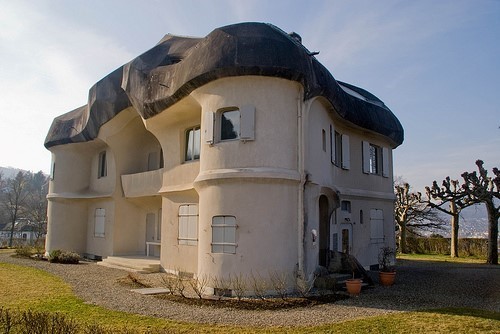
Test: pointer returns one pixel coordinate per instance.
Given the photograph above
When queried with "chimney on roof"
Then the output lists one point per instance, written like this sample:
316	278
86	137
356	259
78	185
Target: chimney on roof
295	36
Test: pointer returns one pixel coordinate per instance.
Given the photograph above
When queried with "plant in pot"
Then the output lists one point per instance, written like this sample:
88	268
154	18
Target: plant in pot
387	273
353	285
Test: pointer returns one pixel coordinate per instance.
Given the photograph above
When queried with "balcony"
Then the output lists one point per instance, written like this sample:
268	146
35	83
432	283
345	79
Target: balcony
142	184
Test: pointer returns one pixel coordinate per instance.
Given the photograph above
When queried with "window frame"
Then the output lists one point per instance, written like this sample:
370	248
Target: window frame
53	170
102	167
346	206
339	149
187	144
225	246
323	139
375	159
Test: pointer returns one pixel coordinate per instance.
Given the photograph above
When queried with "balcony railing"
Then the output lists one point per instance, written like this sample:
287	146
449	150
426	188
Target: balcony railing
142	184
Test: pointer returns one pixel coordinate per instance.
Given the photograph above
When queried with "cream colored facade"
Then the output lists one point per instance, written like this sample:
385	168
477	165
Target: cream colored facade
223	172
272	184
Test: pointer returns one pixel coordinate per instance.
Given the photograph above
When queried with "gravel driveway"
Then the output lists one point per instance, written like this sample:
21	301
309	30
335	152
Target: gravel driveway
419	285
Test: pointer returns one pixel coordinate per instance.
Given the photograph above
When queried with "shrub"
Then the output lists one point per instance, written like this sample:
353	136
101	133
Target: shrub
24	251
239	284
303	287
199	284
69	258
60	256
8	320
169	282
54	255
438	245
279	283
259	285
45	322
222	287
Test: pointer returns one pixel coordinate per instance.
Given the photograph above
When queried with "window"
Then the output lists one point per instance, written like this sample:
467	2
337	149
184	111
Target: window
345	206
224	234
376	225
340	151
323	139
361	219
102	168
188	225
230	125
53	171
192	144
375	159
99	222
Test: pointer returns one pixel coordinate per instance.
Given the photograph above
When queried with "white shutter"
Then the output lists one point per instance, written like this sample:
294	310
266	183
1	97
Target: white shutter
247	125
100	222
346	154
332	145
376	225
366	157
208	127
385	162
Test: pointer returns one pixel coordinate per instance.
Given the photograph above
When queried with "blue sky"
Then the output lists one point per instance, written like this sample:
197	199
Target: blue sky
435	63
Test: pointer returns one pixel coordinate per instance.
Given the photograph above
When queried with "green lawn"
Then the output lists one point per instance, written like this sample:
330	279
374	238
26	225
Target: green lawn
440	258
28	288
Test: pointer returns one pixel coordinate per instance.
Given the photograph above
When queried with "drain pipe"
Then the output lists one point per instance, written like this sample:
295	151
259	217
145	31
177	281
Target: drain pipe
300	169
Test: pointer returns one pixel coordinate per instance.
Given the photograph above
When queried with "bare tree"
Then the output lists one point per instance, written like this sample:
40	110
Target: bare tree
450	193
36	202
14	200
412	214
481	188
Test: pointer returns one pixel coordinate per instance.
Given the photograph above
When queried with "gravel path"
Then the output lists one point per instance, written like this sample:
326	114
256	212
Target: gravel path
419	285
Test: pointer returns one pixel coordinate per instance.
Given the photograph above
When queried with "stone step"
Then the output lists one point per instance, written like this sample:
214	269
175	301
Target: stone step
132	263
151	291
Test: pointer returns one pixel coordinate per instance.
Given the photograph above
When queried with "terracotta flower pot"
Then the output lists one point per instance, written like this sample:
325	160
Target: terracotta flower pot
353	286
387	278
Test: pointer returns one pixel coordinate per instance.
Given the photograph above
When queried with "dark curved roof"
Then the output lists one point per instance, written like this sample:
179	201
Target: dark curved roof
176	66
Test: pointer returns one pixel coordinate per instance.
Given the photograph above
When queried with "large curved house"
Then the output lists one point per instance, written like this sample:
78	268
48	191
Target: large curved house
235	153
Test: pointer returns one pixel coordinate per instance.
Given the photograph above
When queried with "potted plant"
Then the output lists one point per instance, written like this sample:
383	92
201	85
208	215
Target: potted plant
353	285
387	272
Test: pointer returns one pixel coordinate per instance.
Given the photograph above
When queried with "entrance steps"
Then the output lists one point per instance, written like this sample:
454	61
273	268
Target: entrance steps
140	264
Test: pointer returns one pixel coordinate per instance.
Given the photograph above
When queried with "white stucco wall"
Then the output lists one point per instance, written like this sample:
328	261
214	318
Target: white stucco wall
364	191
67	226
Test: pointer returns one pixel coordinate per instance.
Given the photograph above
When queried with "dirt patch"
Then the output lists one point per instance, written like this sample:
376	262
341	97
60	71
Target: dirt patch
135	280
256	304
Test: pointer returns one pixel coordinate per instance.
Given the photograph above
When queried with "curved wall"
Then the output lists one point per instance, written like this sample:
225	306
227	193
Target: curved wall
254	181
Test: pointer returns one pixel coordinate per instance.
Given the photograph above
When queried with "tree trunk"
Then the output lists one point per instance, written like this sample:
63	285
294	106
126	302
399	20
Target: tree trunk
402	239
11	233
454	229
492	232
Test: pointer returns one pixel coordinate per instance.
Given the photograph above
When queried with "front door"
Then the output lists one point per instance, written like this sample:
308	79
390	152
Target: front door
345	242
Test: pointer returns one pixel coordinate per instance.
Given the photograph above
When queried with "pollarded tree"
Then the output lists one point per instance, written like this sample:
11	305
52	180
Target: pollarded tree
481	188
453	194
412	214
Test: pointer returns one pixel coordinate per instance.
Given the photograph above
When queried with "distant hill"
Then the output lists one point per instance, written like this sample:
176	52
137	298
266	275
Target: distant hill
473	223
10	172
